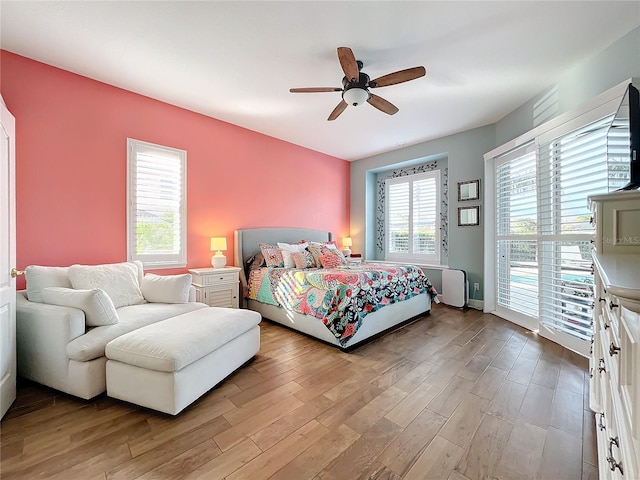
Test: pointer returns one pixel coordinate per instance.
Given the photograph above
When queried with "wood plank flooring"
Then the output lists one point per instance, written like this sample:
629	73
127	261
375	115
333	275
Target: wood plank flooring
457	395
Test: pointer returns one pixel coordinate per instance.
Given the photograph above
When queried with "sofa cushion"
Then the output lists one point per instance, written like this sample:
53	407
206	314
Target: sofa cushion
91	345
166	288
119	280
95	303
39	277
173	344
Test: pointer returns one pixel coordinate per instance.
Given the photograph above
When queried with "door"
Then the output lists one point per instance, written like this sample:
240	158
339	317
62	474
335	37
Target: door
7	261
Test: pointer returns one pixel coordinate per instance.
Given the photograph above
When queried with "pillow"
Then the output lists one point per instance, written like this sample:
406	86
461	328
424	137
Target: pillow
166	288
303	259
330	247
118	280
288	249
319	249
257	261
330	260
42	277
272	255
95	303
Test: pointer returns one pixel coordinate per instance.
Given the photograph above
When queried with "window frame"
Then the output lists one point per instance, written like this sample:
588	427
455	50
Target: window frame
410	256
160	261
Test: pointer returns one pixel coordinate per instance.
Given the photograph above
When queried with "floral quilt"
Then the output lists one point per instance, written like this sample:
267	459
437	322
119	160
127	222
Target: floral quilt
340	296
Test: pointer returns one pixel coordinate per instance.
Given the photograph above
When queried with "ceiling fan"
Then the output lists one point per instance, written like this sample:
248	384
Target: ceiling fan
356	84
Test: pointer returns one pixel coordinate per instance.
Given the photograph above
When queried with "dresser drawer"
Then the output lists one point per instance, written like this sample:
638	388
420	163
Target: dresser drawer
222	277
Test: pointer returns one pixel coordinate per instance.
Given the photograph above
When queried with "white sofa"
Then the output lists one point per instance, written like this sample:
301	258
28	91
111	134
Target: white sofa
58	347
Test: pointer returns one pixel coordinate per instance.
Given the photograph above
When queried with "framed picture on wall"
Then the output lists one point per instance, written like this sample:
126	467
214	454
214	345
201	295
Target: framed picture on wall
468	216
469	190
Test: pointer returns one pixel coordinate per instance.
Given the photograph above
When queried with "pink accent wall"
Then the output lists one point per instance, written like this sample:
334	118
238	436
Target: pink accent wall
71	164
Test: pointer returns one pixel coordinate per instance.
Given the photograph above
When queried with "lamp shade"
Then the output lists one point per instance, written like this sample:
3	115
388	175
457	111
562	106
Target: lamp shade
355	96
346	242
218	243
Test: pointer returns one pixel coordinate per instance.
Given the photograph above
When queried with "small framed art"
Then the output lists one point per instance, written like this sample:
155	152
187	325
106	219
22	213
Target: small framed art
468	216
469	190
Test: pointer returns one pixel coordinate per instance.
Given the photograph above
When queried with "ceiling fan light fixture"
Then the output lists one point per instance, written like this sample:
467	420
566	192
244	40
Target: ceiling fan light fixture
355	96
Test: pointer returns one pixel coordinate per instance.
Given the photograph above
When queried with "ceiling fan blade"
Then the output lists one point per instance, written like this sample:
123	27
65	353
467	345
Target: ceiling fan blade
315	89
398	77
348	63
382	104
338	110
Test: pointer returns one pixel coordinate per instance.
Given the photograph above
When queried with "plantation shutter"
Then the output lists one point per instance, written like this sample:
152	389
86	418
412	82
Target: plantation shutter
571	168
399	208
516	233
412	213
424	215
157	204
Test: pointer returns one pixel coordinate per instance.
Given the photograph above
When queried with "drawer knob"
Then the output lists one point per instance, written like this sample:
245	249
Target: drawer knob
606	325
613	350
601	367
613	305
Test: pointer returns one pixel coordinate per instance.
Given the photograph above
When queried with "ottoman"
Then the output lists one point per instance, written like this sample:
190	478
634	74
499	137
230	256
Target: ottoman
168	365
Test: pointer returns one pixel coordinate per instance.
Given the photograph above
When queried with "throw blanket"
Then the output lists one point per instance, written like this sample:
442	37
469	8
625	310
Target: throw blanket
340	296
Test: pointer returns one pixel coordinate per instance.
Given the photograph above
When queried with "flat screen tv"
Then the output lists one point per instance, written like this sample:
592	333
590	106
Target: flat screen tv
628	117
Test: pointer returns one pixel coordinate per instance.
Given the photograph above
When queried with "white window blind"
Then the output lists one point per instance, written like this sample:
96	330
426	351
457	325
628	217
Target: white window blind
516	232
543	229
412	211
571	168
156	205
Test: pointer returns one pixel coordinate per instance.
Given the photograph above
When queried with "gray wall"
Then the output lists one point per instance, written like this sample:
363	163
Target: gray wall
465	153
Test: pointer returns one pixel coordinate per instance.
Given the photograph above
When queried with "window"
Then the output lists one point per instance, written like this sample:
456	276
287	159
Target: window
543	270
412	211
156	205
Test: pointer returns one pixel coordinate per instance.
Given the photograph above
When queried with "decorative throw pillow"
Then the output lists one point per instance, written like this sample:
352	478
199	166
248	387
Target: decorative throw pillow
303	259
324	248
255	262
39	277
95	303
272	255
287	249
330	260
166	288
118	280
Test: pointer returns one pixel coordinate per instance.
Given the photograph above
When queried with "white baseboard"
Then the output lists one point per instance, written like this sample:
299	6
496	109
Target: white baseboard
476	304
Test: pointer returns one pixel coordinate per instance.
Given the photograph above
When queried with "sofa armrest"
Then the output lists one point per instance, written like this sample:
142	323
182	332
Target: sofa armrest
42	334
192	294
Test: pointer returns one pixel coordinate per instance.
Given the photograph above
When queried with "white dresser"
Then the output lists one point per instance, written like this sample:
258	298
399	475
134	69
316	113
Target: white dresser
217	287
615	358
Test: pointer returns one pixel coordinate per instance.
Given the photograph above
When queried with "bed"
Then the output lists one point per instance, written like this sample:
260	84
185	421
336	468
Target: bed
370	325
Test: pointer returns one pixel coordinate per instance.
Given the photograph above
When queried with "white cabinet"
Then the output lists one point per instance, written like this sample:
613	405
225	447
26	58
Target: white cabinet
217	287
615	358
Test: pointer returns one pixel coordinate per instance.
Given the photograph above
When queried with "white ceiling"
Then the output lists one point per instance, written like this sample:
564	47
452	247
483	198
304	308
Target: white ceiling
236	61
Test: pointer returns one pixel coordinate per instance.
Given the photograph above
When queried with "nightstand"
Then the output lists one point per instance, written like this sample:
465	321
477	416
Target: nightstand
217	287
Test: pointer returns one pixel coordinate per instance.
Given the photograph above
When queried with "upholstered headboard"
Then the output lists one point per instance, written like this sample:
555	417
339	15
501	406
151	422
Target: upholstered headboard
247	241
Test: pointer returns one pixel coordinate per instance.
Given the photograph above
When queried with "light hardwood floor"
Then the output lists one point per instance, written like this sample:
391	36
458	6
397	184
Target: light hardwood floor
456	395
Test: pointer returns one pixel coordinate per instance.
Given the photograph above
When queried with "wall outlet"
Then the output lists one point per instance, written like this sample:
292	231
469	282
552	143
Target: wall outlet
476	287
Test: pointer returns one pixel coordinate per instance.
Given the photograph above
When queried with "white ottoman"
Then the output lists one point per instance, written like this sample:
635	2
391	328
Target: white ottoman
170	364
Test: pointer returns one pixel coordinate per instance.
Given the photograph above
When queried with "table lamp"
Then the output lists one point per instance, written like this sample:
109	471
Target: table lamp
346	244
218	244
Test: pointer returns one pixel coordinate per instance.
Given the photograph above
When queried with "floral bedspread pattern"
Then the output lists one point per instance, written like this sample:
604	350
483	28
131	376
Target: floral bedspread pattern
340	296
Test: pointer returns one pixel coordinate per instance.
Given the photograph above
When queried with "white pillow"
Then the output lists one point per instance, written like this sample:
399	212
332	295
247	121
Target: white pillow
42	277
288	249
118	280
166	288
97	306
